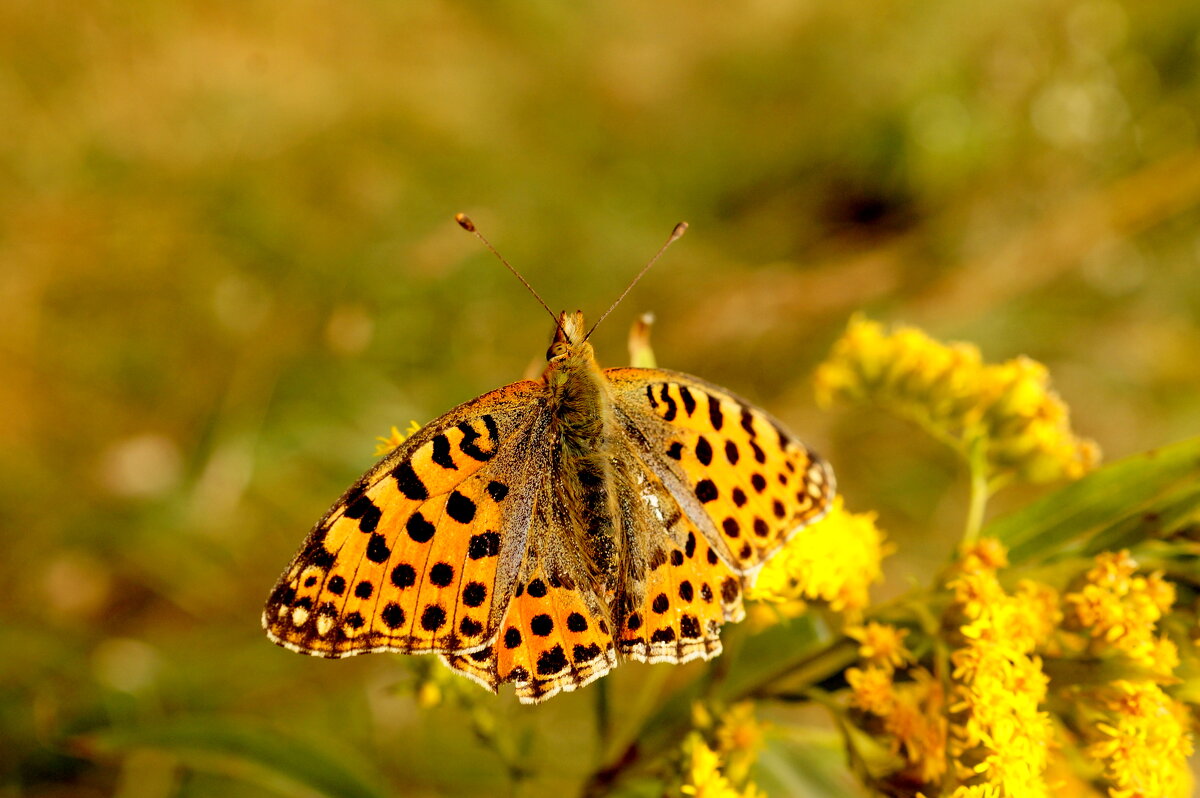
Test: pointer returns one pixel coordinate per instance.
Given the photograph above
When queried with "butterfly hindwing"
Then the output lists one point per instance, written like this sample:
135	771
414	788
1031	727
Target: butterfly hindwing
741	478
555	635
421	554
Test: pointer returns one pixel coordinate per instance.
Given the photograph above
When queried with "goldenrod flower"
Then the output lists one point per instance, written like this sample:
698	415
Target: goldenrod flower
911	713
881	644
834	560
1138	732
1005	414
703	777
999	737
1119	610
871	689
1143	741
739	738
918	725
387	445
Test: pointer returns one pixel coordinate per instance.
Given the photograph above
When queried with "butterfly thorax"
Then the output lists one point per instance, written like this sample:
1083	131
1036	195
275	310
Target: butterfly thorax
580	407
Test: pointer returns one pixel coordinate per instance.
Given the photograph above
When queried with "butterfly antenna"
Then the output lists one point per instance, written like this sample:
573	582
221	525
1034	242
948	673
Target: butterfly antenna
679	230
465	223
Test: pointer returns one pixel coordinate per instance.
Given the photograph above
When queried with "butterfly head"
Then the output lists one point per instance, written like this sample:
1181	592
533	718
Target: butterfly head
569	351
569	338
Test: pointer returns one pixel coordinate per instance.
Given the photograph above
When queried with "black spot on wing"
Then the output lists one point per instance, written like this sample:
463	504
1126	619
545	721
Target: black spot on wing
485	545
317	555
689	401
409	483
474	594
715	417
377	549
460	508
469	444
784	439
441	452
433	618
392	615
672	407
748	421
577	623
403	575
552	661
366	512
441	574
420	530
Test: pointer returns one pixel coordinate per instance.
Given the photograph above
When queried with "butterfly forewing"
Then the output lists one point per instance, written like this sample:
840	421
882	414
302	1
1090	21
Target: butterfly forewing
740	477
422	553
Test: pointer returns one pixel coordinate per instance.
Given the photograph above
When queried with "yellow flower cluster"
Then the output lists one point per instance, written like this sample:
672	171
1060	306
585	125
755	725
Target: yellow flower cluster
909	715
1138	732
1143	741
1005	414
704	777
388	445
834	561
999	738
1120	611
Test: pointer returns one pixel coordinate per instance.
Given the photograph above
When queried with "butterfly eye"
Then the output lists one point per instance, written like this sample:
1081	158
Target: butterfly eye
557	349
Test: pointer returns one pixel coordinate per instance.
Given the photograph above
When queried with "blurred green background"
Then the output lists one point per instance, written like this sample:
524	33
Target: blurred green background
228	263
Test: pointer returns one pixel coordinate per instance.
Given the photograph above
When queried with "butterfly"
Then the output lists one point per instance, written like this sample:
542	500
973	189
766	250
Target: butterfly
549	529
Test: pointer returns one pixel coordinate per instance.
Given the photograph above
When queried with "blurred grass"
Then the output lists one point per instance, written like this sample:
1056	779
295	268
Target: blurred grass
227	263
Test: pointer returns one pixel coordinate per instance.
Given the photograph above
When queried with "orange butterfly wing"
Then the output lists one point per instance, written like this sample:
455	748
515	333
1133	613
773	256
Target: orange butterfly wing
421	554
743	480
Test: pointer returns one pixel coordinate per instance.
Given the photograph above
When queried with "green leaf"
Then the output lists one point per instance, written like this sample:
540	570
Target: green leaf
811	764
1138	485
761	659
248	751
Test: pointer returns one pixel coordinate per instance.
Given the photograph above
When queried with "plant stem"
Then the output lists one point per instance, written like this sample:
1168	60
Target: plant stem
980	492
603	718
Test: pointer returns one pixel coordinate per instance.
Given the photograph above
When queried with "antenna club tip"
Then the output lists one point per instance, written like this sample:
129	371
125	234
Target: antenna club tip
465	222
679	230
